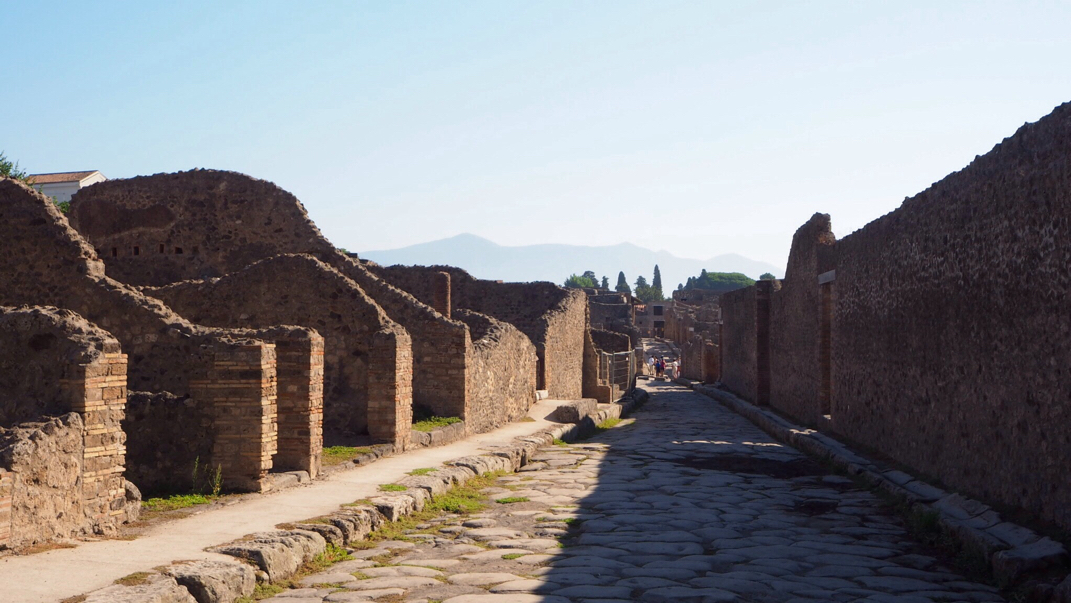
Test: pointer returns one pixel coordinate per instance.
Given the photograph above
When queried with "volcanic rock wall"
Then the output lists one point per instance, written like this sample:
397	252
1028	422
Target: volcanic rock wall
795	324
952	325
48	263
161	229
555	319
299	289
501	375
62	394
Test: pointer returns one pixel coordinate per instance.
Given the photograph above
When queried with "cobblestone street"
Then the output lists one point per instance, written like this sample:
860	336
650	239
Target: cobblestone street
688	503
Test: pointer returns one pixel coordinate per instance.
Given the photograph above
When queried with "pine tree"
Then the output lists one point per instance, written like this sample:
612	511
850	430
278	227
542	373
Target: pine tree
622	284
656	282
605	283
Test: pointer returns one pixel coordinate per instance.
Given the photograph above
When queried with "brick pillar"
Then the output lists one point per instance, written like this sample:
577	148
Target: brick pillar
390	389
300	368
240	388
7	489
440	293
98	392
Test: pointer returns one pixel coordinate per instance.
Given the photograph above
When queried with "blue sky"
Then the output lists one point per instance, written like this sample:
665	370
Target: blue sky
696	127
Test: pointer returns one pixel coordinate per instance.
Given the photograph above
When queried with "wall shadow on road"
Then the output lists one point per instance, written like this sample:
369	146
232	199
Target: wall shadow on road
694	503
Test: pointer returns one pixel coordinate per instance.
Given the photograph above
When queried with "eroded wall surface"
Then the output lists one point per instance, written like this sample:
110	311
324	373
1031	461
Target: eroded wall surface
739	343
48	263
795	321
501	374
554	318
165	228
952	328
301	290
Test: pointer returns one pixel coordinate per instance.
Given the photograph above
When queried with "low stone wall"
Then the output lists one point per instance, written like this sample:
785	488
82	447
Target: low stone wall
51	264
501	373
552	317
44	461
57	363
161	229
301	290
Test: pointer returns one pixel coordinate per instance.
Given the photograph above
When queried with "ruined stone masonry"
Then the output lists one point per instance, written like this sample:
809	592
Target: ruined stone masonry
937	334
61	476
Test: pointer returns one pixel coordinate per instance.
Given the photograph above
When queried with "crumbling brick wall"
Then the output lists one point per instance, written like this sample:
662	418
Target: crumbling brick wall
501	373
299	289
554	318
65	475
952	326
48	263
795	324
222	222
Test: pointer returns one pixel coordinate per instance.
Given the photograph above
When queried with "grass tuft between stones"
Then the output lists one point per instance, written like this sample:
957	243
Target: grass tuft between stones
422	471
392	488
433	423
135	579
337	455
511	499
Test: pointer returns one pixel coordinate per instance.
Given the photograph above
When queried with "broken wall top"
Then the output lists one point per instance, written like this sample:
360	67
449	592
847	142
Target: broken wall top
160	229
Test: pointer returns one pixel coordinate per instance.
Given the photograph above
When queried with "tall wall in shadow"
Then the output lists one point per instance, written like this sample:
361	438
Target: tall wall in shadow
952	325
939	334
796	322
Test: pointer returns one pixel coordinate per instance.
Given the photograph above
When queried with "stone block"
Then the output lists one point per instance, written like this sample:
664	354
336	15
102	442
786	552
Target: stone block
278	554
1010	565
575	410
156	589
214	581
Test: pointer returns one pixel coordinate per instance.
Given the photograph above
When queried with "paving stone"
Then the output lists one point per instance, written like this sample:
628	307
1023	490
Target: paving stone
482	579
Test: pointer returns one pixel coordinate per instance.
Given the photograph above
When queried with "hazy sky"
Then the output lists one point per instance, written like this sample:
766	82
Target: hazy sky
696	127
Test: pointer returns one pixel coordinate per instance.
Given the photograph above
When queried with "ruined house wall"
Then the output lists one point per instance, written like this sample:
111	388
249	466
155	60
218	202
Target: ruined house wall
65	475
554	318
609	341
224	221
299	289
162	458
795	386
952	327
43	462
739	344
48	263
501	374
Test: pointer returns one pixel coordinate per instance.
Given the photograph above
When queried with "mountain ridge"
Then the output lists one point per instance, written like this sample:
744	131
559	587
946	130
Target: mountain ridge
554	262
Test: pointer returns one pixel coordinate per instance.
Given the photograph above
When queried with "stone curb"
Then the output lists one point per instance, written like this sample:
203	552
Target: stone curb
277	555
1013	552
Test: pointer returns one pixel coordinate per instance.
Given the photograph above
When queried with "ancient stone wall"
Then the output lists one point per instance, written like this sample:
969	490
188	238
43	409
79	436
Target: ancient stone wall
554	318
161	458
739	342
952	326
299	289
795	323
44	461
209	223
56	363
48	263
501	373
610	342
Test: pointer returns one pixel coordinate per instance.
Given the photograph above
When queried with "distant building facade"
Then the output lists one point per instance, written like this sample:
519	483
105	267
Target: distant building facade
62	185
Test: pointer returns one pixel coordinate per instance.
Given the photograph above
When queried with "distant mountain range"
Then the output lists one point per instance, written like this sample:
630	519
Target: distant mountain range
488	260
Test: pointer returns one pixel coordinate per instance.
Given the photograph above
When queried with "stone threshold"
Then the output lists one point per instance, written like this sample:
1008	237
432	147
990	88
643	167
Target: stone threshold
277	555
1013	552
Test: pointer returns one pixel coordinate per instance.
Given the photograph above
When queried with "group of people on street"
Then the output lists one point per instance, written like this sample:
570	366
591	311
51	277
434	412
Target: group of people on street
659	367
